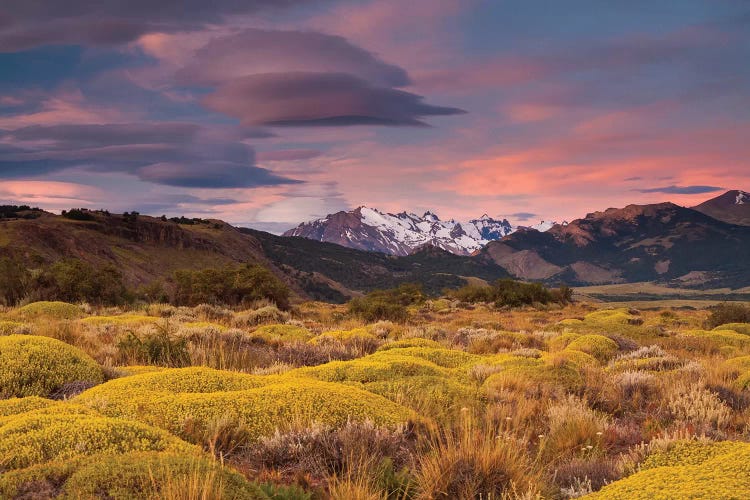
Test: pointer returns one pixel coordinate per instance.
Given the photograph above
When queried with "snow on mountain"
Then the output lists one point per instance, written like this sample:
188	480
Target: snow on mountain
742	198
400	234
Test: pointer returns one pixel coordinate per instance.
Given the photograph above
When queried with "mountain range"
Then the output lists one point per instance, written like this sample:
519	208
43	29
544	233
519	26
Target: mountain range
707	246
401	234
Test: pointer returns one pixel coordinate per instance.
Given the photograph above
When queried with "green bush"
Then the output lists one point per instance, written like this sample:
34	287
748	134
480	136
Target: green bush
14	281
388	305
727	312
39	366
230	286
508	292
159	347
73	280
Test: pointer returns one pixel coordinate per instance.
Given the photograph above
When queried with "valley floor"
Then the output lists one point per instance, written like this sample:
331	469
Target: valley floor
460	401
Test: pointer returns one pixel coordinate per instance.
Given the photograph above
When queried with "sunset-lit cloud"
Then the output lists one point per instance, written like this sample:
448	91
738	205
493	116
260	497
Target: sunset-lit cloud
270	113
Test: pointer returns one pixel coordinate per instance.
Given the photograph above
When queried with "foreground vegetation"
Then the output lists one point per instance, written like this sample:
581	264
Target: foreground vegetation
458	397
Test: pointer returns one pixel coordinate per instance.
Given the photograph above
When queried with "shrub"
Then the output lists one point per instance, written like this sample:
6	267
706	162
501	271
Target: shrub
599	346
707	475
74	280
273	403
38	366
727	312
265	314
507	292
63	431
388	305
13	406
158	347
743	328
721	338
55	310
13	327
413	342
230	286
14	281
388	365
160	475
80	214
536	377
148	475
121	320
277	334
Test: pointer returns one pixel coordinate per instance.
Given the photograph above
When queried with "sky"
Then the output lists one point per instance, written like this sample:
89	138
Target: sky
267	113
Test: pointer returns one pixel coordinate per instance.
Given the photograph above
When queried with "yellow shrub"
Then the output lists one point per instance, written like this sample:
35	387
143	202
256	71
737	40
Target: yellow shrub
728	338
282	333
609	317
193	379
127	371
740	364
699	475
537	376
204	325
446	358
61	432
11	327
371	369
743	328
345	335
159	475
38	366
413	342
124	319
570	322
601	347
578	358
273	402
14	406
428	395
561	341
56	310
135	475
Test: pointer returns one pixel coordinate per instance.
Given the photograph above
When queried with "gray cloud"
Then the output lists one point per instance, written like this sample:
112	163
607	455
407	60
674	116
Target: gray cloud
254	51
32	23
523	216
319	99
173	154
681	189
287	155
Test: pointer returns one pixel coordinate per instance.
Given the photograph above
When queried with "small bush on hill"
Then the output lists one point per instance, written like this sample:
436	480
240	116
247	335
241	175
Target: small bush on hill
508	292
728	313
14	281
73	280
77	214
387	304
230	286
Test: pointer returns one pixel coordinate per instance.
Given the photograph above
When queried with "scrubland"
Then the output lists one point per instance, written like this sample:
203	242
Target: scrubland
456	401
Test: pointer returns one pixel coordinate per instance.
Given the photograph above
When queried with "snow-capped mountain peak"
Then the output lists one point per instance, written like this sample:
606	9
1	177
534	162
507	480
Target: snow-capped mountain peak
367	228
742	198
